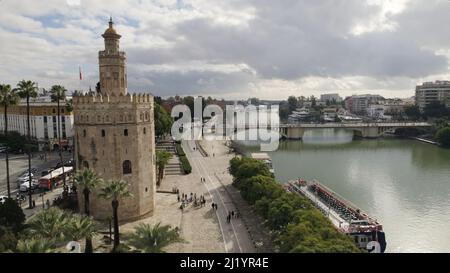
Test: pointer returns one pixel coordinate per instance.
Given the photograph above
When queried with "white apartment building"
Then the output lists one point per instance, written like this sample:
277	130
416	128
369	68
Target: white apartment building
432	91
43	121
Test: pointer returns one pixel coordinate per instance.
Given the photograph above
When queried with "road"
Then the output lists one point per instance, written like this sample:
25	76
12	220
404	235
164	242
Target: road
235	235
18	164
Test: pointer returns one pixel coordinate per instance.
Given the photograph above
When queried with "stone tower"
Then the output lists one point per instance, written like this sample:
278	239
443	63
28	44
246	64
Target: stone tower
114	136
112	64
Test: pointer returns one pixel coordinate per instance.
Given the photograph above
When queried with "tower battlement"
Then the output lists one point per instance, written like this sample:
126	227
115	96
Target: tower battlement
141	98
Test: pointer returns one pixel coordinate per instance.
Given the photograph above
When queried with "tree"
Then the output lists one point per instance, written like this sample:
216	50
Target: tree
252	168
162	158
254	101
11	215
163	121
8	240
59	94
189	102
257	187
35	245
50	224
8	97
57	227
81	227
284	111
152	239
313	101
293	103
413	112
27	90
279	214
115	190
87	180
443	136
435	109
69	105
17	142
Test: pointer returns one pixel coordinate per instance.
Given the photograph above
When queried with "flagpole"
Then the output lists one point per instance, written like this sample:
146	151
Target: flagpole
80	77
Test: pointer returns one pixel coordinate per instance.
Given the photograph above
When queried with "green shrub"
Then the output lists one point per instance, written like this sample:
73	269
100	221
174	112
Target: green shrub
185	164
443	136
179	148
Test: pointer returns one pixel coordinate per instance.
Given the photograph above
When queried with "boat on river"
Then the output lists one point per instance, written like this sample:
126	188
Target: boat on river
265	158
346	217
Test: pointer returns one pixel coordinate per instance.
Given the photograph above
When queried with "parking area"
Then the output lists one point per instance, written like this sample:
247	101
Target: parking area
18	166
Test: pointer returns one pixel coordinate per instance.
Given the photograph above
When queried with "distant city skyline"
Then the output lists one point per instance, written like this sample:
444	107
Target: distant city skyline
233	49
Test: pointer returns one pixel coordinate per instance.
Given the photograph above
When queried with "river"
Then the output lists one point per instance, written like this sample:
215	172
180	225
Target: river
404	184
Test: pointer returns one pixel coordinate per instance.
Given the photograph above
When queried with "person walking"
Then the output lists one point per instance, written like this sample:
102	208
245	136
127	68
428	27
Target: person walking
232	213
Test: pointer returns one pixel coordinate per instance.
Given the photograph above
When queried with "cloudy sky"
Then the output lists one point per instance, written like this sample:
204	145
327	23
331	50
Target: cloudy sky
232	48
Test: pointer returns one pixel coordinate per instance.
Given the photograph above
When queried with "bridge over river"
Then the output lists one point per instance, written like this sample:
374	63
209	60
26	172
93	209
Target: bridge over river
365	130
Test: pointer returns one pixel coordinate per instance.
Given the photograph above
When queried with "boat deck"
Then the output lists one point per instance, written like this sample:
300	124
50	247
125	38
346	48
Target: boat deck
339	222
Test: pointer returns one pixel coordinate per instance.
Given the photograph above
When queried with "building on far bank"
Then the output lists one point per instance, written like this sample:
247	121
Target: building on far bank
43	122
430	92
331	98
358	104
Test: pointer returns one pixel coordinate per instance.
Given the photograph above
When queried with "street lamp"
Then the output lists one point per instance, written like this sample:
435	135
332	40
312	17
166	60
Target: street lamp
42	196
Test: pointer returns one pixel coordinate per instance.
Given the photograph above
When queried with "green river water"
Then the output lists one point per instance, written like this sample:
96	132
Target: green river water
404	184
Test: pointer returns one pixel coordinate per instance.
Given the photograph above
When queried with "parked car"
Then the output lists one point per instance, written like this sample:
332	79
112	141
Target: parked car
24	178
3	199
24	187
25	173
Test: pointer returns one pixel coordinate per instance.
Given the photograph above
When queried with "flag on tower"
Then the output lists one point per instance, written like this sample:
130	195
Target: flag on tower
81	74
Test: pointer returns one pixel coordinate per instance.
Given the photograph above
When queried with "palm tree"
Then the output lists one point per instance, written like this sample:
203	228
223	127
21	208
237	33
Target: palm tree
27	90
59	94
87	180
35	245
8	97
162	158
49	224
150	239
114	190
81	227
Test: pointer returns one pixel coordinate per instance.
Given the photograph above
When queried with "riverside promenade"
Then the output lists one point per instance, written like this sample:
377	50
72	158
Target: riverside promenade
216	165
206	230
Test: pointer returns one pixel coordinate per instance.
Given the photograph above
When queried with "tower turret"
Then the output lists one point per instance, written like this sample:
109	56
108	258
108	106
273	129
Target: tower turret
112	63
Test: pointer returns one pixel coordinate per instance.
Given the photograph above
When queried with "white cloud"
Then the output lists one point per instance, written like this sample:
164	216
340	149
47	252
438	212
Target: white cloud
263	48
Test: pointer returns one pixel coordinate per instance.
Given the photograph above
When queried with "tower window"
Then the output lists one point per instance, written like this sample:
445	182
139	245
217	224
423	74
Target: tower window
103	133
145	130
84	133
126	167
125	132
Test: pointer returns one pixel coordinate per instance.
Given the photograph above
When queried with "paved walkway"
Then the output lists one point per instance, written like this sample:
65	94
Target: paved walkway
235	235
218	160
